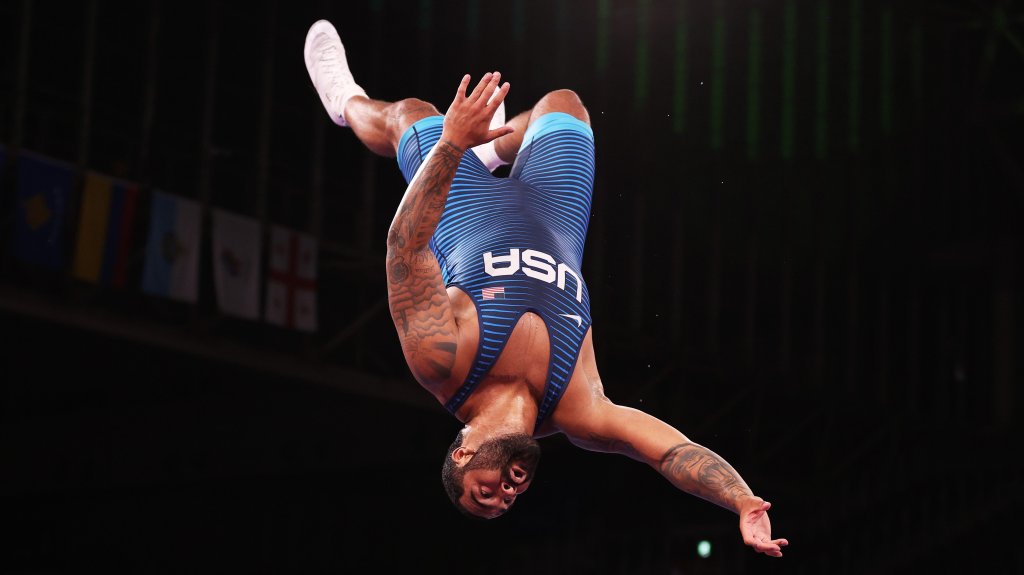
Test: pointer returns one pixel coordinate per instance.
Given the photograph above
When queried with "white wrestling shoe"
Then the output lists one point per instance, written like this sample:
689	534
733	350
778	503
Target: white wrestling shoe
328	68
486	152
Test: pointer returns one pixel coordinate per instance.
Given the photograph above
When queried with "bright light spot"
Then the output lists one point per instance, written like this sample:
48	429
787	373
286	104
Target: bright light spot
704	549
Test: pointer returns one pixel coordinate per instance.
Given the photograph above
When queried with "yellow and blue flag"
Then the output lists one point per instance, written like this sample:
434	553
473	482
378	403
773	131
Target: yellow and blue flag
105	225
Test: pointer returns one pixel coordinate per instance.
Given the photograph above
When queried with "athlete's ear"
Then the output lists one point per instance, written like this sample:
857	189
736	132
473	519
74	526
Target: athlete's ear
462	456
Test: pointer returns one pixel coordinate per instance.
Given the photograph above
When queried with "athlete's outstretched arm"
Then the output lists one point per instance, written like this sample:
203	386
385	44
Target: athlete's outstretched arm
600	425
416	292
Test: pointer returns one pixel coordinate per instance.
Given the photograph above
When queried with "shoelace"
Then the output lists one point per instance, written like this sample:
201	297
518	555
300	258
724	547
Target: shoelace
329	67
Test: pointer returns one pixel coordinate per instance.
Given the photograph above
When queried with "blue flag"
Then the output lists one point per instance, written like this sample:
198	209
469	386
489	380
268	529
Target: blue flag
44	189
172	250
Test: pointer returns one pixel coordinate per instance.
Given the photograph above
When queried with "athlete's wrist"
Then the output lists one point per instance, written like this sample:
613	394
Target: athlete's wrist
452	145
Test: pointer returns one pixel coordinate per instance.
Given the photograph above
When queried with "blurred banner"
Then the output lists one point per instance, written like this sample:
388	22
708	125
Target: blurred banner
236	264
105	224
172	248
291	280
44	189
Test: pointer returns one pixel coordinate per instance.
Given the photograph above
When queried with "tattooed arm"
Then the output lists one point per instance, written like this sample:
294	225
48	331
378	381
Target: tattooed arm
593	422
416	292
691	467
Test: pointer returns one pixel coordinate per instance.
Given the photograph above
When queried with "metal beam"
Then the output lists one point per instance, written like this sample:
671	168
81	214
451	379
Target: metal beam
181	340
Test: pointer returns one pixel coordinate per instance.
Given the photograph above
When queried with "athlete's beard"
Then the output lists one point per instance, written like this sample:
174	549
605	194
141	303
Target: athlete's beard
501	452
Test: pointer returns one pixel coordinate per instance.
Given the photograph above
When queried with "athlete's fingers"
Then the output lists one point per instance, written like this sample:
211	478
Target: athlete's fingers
498	96
498	132
461	92
490	88
768	548
480	87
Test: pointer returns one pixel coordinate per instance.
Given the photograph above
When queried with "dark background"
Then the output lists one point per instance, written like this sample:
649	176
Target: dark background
804	253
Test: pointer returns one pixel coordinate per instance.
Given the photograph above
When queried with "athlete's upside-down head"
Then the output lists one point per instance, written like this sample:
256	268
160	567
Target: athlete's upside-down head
485	483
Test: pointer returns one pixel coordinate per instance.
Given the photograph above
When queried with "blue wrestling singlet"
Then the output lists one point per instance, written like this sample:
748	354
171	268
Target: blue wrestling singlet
515	244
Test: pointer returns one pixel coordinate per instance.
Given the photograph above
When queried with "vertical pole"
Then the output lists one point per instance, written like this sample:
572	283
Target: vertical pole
425	46
149	100
604	17
88	66
364	225
715	271
641	65
789	81
637	279
472	31
209	105
21	79
677	253
853	87
679	72
718	79
821	101
886	71
1004	311
316	170
266	113
882	342
754	86
750	325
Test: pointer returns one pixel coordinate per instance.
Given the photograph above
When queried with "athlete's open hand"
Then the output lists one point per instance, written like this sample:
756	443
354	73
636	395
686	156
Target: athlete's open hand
467	122
757	530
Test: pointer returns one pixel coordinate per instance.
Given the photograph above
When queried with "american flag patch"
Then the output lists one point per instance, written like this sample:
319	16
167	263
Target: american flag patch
493	292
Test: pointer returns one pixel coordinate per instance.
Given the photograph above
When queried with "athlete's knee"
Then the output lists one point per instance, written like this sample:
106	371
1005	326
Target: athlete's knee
404	113
413	107
407	112
563	100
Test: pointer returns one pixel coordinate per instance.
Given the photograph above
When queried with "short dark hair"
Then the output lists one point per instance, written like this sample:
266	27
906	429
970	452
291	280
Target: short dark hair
452	475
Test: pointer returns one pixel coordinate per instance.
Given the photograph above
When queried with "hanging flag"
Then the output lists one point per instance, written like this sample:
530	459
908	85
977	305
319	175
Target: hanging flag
105	224
236	264
44	188
172	249
291	280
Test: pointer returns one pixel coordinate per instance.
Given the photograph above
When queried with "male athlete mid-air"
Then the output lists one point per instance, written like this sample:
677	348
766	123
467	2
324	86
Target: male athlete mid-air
486	292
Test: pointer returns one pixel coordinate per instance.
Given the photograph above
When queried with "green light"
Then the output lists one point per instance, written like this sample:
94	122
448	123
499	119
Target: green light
789	81
718	79
518	23
679	93
854	86
917	69
821	124
426	9
704	549
754	86
887	71
473	18
640	82
604	17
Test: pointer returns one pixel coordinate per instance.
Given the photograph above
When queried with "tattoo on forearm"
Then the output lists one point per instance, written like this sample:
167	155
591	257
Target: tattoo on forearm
419	302
701	472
